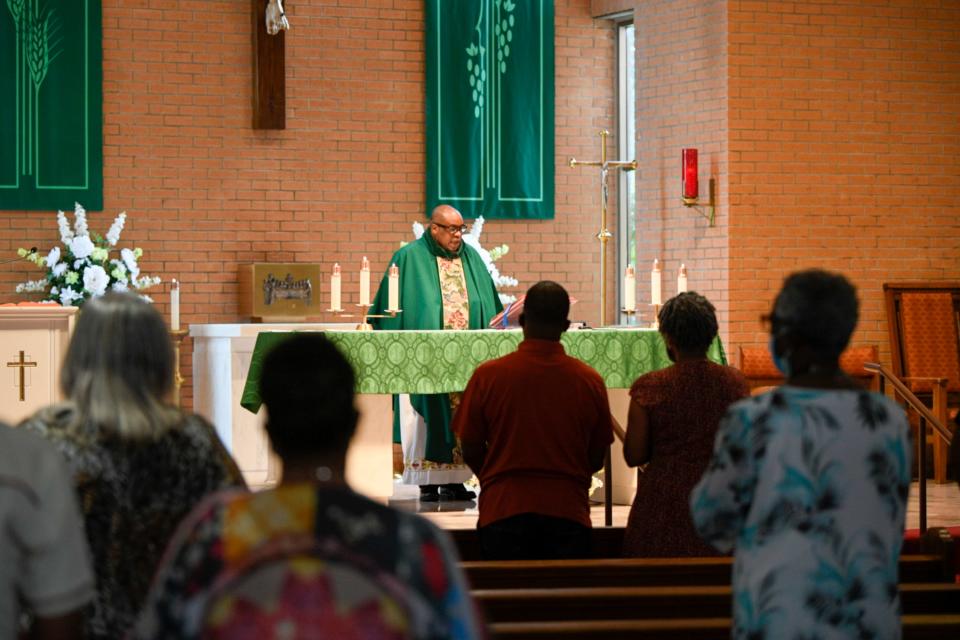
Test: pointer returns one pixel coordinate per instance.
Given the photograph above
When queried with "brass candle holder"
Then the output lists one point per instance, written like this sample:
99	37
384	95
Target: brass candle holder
366	315
655	324
177	336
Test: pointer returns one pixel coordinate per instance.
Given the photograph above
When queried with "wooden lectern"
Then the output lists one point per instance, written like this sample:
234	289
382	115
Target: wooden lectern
33	342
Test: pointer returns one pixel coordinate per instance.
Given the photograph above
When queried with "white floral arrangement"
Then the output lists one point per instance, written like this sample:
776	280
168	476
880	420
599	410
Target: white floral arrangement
82	268
472	237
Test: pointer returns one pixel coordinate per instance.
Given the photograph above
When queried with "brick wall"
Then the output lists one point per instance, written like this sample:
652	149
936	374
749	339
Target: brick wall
681	102
204	192
844	149
833	129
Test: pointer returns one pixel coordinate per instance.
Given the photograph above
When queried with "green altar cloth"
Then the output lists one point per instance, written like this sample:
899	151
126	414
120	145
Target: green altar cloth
388	362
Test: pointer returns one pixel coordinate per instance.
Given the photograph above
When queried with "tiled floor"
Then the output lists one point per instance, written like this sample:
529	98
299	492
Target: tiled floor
943	508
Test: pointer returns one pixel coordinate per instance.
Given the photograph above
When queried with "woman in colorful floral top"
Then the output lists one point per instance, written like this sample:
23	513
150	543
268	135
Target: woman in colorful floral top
139	464
808	483
311	558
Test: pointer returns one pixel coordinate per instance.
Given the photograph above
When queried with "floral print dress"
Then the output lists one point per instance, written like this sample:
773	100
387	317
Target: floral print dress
810	489
304	561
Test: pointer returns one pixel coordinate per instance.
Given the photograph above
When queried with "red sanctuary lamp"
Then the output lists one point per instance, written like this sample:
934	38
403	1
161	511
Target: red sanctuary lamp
690	175
691	186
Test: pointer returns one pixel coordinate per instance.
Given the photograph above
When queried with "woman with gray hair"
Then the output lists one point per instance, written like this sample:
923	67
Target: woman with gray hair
808	483
138	463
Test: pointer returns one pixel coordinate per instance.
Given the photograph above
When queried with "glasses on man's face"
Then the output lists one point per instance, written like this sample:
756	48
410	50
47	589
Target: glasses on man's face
452	229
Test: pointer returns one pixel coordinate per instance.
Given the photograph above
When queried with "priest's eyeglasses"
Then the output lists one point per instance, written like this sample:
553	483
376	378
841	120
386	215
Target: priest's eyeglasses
452	229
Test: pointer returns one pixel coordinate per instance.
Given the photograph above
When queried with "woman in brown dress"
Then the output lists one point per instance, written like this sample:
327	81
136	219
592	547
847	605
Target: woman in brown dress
671	426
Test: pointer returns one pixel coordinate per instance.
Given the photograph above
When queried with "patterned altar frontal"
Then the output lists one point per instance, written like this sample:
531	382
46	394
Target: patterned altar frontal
443	361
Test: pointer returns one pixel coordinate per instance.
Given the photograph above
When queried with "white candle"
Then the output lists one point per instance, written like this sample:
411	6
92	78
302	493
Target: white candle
630	289
335	289
365	281
393	289
655	281
682	279
175	306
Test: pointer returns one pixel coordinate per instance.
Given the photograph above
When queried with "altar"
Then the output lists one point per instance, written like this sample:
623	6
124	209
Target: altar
388	362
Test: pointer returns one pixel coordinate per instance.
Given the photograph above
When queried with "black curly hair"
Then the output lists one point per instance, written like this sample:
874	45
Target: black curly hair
690	321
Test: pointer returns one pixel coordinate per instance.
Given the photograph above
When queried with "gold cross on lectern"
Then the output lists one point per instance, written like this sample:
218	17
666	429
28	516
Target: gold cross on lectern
22	364
604	234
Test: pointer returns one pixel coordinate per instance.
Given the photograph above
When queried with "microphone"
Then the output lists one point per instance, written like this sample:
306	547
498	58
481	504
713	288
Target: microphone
32	251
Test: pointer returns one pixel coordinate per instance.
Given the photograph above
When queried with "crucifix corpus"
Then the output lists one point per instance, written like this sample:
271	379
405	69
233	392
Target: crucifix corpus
22	364
604	234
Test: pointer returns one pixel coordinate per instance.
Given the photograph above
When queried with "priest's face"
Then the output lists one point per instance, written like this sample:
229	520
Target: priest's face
445	227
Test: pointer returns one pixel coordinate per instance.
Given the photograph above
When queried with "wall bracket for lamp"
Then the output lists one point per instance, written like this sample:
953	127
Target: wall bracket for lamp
706	209
690	186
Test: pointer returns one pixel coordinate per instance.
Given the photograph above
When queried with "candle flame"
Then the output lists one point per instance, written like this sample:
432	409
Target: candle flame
365	264
656	264
336	269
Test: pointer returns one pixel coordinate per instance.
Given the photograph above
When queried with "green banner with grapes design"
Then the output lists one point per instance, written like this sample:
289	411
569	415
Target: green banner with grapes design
51	138
490	110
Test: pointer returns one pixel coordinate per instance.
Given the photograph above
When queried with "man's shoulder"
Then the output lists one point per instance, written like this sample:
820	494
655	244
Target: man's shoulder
26	456
490	368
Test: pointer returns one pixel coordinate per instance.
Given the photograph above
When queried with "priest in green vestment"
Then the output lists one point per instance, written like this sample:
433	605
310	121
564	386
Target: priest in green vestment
444	284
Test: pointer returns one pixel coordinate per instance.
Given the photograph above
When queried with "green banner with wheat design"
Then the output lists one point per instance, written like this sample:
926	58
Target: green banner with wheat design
489	107
51	154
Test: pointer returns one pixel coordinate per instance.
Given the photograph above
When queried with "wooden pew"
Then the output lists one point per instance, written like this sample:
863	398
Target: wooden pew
638	572
637	603
915	627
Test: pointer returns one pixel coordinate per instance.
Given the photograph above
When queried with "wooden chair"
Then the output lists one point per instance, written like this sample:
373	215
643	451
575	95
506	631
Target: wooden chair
761	374
923	321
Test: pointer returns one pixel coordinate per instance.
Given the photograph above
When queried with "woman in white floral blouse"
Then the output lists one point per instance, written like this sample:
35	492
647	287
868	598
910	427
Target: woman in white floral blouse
808	483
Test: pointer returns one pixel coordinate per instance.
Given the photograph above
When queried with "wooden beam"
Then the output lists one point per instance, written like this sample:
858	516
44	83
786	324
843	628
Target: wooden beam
269	73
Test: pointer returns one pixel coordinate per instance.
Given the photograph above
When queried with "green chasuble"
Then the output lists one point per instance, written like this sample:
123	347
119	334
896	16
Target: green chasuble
423	309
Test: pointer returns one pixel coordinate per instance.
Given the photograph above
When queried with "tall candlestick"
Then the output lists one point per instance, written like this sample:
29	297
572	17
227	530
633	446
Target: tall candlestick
393	289
630	289
655	282
175	306
365	281
682	279
335	289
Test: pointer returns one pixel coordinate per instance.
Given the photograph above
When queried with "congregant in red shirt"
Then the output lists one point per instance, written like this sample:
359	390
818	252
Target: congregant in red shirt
534	426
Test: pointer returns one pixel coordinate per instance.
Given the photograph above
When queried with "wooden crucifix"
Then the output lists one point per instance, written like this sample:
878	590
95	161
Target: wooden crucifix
604	234
22	364
269	73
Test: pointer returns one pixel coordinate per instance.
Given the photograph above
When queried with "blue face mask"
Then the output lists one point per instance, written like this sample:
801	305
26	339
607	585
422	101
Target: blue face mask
782	364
